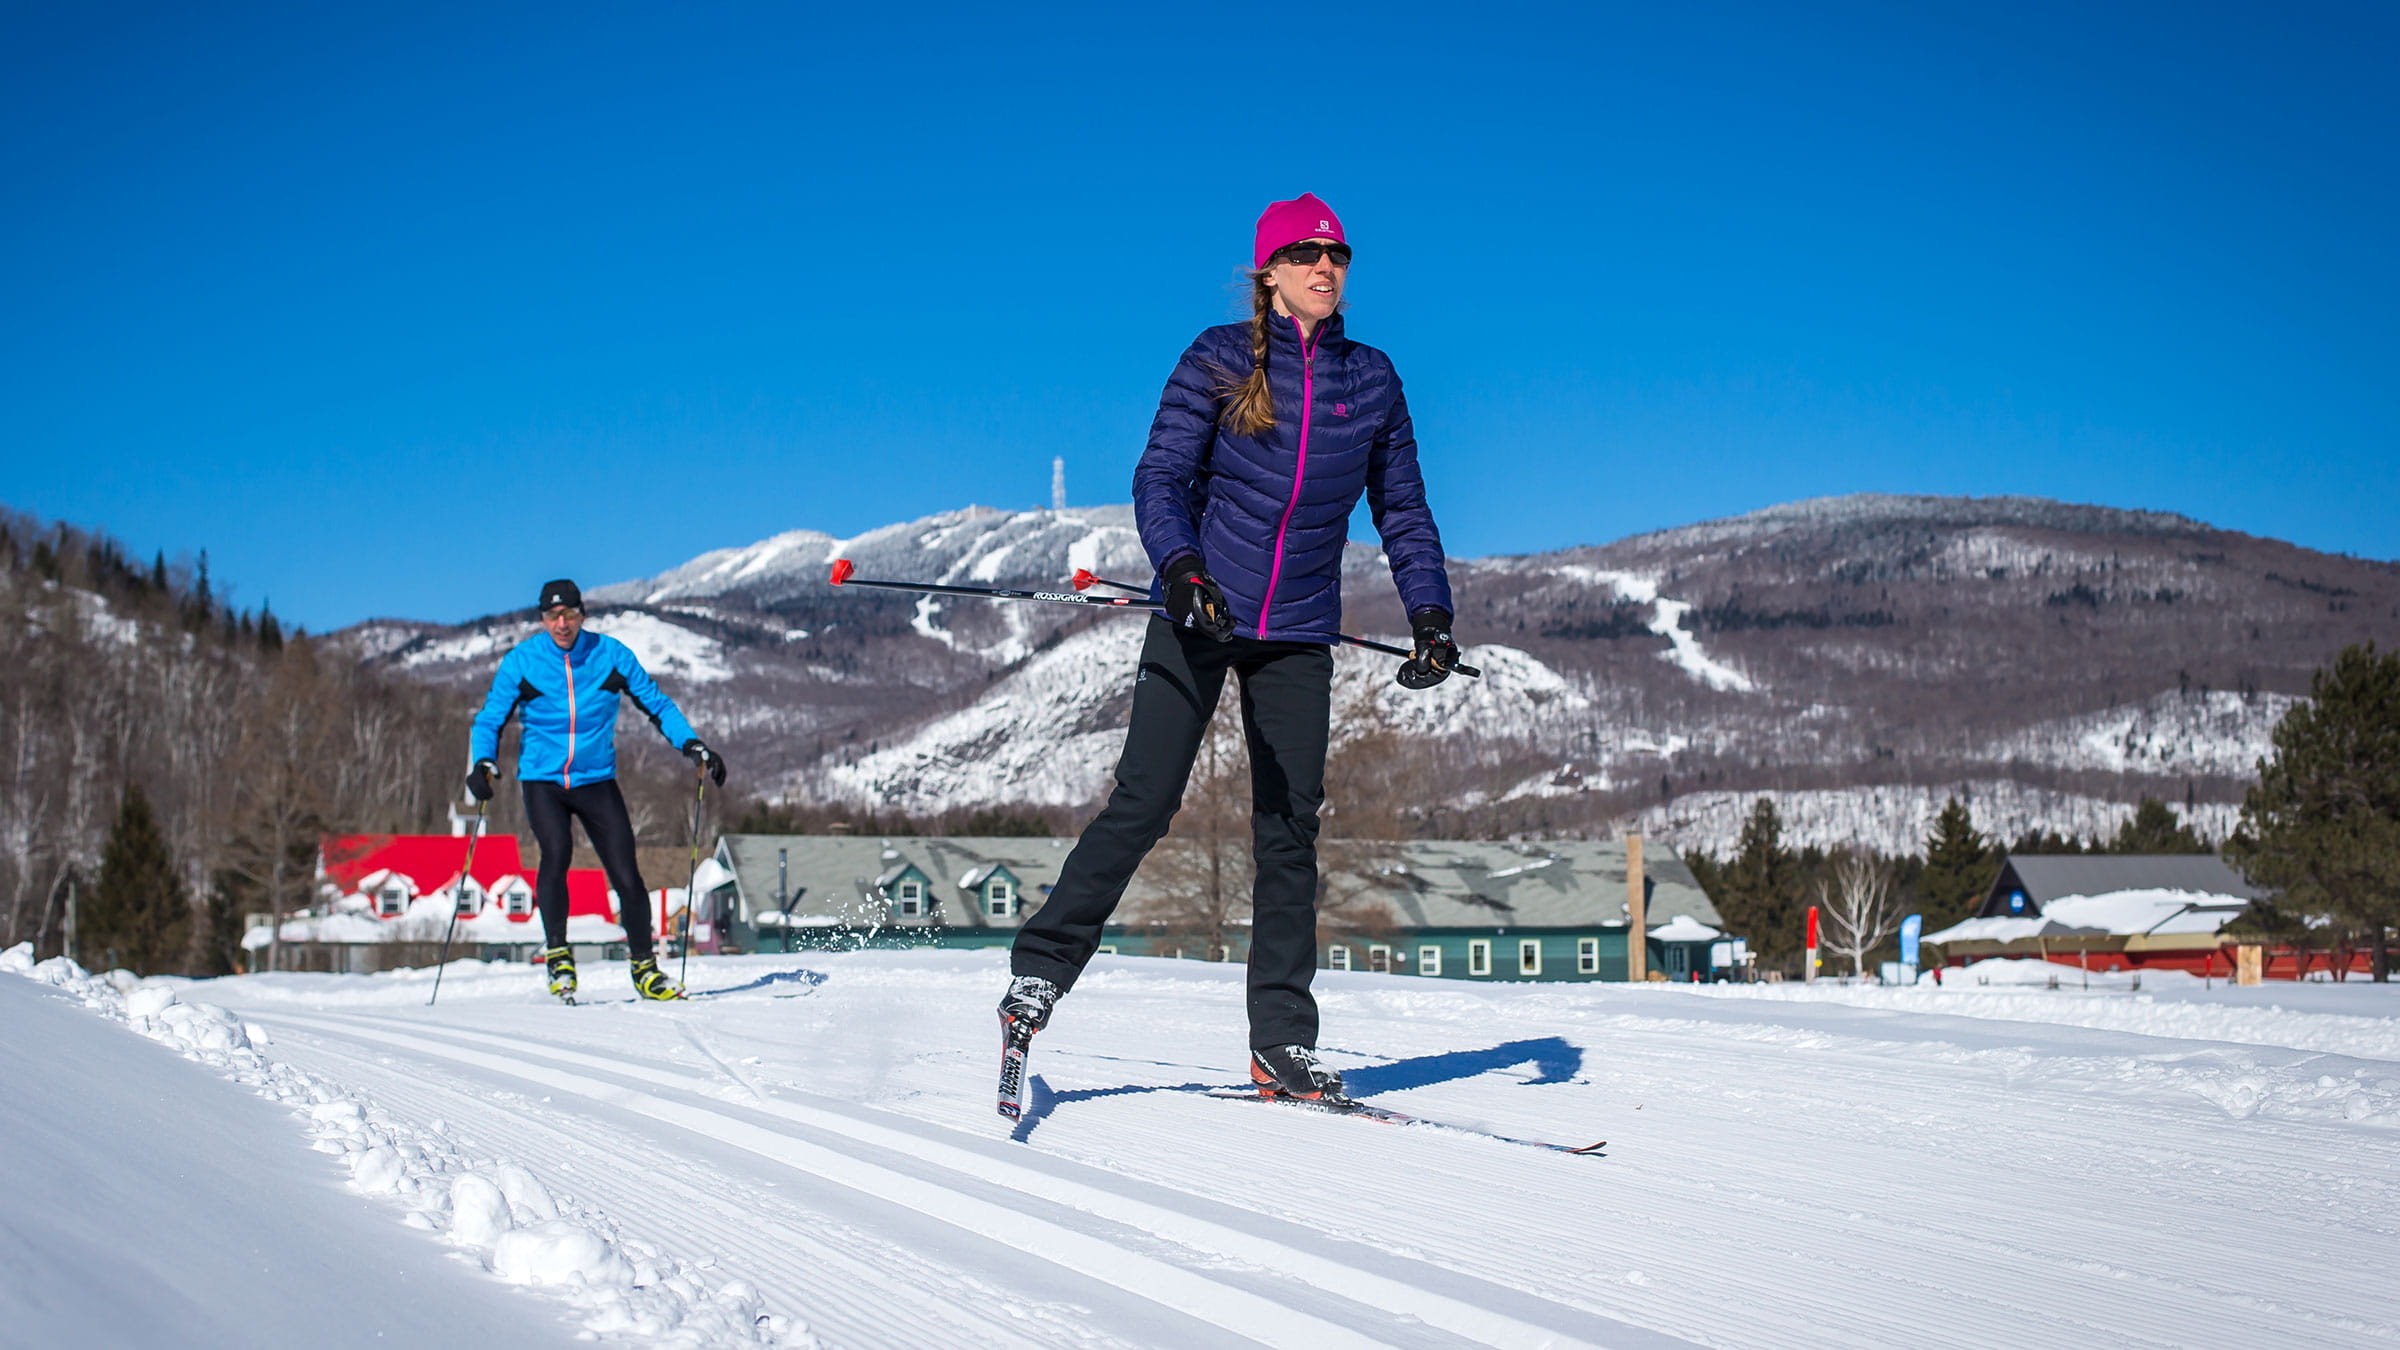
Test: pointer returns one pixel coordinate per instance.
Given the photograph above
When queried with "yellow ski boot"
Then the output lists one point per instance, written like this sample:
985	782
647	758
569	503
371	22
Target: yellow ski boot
652	983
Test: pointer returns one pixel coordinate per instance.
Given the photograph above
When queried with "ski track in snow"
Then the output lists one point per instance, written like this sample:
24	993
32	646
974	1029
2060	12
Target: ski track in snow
1792	1168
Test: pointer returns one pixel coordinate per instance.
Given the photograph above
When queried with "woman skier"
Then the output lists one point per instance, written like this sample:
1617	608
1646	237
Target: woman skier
567	684
1265	437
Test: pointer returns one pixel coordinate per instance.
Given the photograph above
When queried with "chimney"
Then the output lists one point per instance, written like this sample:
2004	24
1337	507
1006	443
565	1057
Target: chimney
1637	945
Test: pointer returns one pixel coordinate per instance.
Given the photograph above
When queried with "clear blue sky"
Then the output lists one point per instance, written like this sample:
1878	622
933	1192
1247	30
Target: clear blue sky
402	311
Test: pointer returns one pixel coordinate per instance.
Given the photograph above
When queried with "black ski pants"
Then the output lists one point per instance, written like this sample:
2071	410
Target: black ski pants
550	810
1287	709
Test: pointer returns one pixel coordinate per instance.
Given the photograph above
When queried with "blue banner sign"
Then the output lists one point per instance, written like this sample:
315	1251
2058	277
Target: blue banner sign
1909	928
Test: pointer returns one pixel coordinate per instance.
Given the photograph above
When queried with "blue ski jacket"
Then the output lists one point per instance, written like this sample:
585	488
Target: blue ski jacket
570	700
1269	514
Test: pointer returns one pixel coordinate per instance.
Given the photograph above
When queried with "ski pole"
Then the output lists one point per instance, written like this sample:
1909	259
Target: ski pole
465	875
684	965
844	570
1084	579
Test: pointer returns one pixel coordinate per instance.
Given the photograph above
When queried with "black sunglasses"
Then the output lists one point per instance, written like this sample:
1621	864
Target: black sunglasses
1306	255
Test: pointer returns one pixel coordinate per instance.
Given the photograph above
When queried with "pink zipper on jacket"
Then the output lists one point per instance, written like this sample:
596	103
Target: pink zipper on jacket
1308	395
566	772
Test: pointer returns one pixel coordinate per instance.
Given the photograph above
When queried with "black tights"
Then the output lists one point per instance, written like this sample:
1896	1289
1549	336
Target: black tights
549	811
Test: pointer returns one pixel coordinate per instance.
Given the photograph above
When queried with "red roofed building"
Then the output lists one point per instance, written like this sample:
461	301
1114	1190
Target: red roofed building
391	870
588	893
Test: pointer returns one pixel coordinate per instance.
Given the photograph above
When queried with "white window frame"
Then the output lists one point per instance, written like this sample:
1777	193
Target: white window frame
1479	956
391	901
1379	958
1529	947
909	897
520	902
1429	960
999	898
1587	956
1337	957
467	900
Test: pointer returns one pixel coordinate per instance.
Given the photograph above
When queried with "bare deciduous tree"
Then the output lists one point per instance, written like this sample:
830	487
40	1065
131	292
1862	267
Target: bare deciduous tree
1861	912
245	744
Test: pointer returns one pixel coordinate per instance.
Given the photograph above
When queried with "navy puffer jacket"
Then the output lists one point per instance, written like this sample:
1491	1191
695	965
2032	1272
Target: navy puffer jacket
1269	514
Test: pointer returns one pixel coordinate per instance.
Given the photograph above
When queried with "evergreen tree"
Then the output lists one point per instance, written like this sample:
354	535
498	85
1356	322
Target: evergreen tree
202	605
137	916
270	632
2322	825
1959	867
158	572
2043	841
1758	892
2155	828
220	946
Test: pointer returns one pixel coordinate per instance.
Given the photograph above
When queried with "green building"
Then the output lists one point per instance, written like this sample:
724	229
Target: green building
1470	910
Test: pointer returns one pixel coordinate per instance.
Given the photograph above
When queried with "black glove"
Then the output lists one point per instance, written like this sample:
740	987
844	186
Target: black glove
707	759
479	779
1195	601
1431	662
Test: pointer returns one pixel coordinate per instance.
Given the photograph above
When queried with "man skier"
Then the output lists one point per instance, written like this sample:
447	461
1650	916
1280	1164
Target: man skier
567	684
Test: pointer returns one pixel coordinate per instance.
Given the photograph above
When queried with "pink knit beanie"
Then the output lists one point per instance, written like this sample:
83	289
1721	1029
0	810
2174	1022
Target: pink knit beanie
1303	217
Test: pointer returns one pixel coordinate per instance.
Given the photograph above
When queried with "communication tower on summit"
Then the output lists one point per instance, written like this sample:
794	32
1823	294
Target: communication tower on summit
1058	483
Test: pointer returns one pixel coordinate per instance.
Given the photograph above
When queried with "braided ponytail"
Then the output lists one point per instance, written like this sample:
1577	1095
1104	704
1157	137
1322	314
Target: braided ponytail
1250	407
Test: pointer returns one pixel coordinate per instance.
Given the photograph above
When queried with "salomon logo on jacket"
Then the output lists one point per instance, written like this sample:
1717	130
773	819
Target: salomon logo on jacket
569	700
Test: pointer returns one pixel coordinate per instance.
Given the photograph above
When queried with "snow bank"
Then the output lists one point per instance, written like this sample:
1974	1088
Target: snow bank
491	1208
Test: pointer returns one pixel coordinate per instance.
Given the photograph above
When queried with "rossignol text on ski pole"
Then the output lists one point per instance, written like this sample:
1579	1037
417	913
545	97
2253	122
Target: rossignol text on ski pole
844	575
1085	580
466	871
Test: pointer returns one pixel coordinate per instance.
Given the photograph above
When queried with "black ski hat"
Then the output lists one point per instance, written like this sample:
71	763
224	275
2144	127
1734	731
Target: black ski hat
559	592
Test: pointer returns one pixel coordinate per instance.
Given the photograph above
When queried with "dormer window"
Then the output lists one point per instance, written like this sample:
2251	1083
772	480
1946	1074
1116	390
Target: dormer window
520	902
908	898
392	901
470	900
999	897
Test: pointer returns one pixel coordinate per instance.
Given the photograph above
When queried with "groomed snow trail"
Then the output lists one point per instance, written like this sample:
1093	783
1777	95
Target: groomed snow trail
1781	1172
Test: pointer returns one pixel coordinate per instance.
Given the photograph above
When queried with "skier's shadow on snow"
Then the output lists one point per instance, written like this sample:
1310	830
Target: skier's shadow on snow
1554	1061
1040	1101
805	980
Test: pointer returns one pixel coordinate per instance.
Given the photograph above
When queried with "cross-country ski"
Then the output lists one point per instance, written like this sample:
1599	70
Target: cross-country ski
1358	1110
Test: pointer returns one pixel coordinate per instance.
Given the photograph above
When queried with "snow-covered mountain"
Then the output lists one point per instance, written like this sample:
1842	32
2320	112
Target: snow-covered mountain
1860	658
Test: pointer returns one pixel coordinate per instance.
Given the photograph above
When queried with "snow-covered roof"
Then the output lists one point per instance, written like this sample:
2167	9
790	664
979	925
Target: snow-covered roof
1685	928
2113	913
429	862
1425	883
2050	877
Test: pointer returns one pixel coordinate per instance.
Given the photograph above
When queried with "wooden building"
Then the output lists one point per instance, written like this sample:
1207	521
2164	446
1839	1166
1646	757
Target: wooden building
1452	909
2110	912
